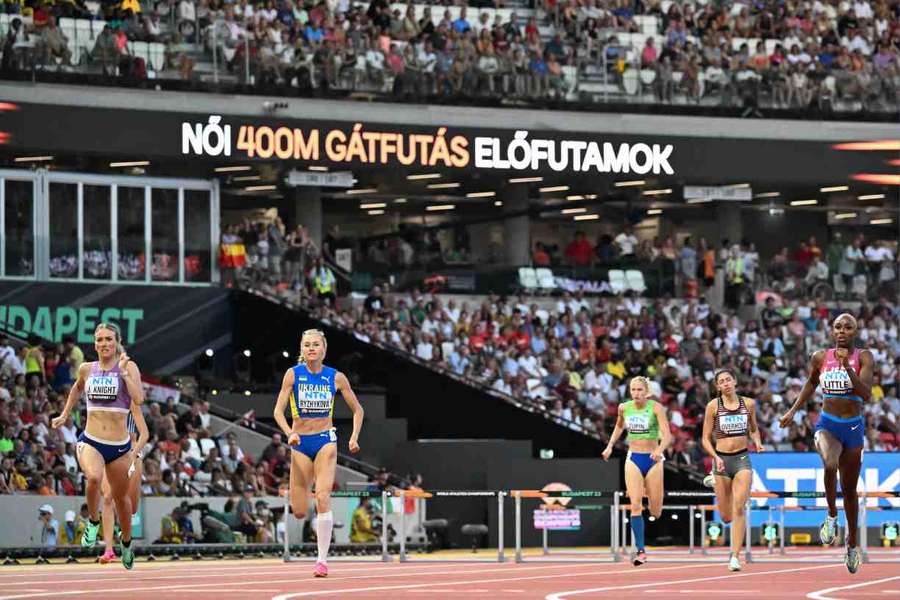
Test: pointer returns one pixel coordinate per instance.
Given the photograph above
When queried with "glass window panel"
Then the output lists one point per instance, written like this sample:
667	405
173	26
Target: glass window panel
97	232
198	245
63	230
131	229
19	227
165	235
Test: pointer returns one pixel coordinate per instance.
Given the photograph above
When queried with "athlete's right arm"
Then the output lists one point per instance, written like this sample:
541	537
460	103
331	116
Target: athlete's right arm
809	388
74	394
616	433
287	388
707	439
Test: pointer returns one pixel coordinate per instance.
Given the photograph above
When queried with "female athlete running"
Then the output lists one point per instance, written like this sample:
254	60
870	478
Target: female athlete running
310	387
730	419
647	424
111	385
137	430
845	376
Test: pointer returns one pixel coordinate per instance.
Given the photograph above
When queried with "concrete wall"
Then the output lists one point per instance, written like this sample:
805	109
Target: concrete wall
19	515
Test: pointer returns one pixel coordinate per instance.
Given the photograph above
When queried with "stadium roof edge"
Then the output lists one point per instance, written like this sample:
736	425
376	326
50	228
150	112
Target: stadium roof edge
450	116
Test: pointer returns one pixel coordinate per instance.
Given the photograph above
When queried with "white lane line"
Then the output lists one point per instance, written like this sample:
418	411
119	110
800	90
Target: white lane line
562	595
404	573
717	592
468	582
823	594
159	574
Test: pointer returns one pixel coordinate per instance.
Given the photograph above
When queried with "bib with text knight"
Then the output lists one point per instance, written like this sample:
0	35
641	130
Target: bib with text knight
102	388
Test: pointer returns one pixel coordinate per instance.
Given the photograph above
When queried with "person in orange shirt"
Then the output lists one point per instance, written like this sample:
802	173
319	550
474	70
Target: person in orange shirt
540	258
708	264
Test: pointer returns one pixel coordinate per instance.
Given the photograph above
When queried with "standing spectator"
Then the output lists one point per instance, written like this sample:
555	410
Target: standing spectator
324	282
626	242
49	526
579	251
688	260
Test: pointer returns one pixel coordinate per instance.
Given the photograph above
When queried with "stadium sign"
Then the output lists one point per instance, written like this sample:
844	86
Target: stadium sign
214	138
53	323
472	146
700	192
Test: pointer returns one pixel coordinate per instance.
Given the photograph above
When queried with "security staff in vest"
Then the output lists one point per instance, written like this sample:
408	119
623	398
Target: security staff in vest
324	282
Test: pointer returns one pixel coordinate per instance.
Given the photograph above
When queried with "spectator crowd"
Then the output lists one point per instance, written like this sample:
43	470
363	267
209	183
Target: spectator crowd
572	356
796	53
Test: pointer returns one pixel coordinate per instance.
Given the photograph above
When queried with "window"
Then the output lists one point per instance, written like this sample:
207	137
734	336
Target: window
19	215
197	242
63	230
131	230
164	227
97	234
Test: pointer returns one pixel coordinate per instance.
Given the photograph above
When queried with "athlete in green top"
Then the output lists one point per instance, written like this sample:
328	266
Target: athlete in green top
648	438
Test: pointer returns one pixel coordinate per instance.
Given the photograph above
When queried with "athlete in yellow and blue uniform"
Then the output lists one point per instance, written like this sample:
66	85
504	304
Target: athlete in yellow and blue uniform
309	388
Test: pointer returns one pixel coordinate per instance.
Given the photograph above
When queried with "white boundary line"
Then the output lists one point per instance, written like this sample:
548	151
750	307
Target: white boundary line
405	572
466	582
562	595
823	594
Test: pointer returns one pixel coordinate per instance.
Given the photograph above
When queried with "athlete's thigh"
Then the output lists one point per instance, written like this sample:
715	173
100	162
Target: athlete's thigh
301	479
117	475
634	482
653	484
740	487
850	463
104	485
90	460
325	466
723	495
828	446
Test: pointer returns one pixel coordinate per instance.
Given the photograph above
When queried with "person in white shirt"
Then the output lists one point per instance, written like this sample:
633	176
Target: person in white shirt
502	384
425	349
626	243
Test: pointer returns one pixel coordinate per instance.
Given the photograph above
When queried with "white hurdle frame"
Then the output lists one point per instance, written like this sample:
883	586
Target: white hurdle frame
499	494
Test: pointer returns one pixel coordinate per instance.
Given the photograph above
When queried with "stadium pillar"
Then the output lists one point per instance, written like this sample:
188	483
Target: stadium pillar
307	211
516	226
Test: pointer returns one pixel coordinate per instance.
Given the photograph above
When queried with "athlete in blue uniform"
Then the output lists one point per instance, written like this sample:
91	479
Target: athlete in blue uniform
309	387
844	375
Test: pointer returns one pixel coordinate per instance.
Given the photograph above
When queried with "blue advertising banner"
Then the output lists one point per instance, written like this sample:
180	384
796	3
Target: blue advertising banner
803	472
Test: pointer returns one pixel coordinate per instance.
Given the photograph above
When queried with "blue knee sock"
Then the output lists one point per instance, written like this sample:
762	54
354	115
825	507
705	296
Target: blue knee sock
637	528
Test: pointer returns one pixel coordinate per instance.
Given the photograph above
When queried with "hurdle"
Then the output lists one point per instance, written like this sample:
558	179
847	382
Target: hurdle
613	556
421	496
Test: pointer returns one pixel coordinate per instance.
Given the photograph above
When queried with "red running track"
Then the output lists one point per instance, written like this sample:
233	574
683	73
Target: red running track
274	580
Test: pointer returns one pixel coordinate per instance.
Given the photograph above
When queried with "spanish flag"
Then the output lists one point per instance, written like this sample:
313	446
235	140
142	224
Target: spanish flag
232	256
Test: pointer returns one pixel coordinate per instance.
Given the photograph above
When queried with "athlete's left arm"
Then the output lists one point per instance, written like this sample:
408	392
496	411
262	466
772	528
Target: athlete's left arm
343	385
754	427
132	376
143	430
862	383
665	433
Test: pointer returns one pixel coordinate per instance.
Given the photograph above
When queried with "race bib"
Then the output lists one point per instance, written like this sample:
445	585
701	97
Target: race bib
733	424
835	381
638	423
102	388
332	435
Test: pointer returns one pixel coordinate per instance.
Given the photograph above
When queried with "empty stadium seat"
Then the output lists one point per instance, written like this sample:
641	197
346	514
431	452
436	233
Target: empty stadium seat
528	280
635	280
546	280
617	281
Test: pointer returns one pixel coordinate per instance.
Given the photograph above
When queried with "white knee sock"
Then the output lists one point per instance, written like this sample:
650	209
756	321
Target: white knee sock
324	524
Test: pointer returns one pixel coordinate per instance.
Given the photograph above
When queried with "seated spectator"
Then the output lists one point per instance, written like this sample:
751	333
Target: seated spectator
361	531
